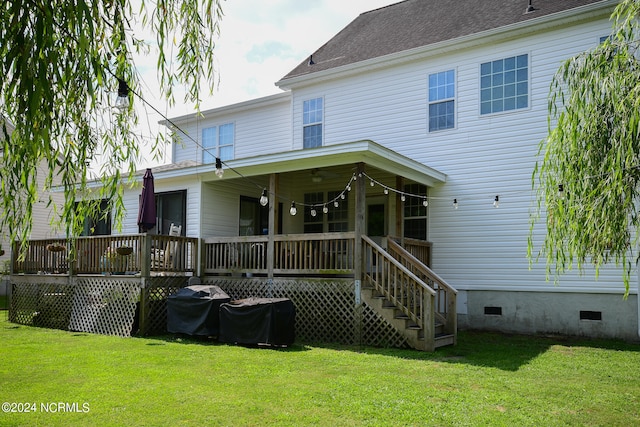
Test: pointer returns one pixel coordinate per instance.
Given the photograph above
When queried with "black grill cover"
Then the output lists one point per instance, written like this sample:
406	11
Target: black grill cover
258	321
194	310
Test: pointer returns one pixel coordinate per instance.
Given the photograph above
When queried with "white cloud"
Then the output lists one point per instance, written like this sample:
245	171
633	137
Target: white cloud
260	42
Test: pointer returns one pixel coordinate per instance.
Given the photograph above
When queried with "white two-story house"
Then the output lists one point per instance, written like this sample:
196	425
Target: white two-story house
433	110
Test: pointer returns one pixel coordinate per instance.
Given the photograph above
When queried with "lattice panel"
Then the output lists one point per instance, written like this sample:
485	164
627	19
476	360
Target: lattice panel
377	332
41	304
104	306
157	291
325	309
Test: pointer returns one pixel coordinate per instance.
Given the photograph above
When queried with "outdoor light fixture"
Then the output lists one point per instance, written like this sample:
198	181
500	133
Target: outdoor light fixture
496	202
325	209
264	200
293	211
219	170
122	101
313	212
386	190
403	197
335	204
455	203
425	202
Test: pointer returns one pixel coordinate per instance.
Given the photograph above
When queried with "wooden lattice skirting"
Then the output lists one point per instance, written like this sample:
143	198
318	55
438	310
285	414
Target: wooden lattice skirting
326	309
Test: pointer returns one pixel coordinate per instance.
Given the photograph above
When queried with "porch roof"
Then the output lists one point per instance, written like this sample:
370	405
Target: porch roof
364	151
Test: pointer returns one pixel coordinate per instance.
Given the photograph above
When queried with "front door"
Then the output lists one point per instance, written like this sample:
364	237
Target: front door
376	218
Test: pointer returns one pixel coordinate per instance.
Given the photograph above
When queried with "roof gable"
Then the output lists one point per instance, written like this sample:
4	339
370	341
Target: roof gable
415	23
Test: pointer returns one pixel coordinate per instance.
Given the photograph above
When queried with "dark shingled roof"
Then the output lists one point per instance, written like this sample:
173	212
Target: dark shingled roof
415	23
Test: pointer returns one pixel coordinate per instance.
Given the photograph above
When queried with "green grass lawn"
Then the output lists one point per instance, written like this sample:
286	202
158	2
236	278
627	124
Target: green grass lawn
488	379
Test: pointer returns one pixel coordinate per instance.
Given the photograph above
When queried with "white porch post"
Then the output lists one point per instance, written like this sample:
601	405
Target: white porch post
358	256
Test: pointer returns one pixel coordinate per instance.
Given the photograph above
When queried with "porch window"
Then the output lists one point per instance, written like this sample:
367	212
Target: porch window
171	208
504	84
312	112
415	213
218	142
335	220
313	224
98	224
442	88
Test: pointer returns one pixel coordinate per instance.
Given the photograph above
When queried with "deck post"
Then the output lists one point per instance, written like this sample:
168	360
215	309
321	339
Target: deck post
273	202
358	260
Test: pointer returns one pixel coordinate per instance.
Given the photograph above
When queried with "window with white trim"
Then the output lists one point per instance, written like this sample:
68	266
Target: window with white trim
217	141
442	89
312	113
504	84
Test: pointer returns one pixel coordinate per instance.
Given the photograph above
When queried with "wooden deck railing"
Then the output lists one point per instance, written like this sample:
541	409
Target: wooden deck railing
398	284
445	301
294	254
125	254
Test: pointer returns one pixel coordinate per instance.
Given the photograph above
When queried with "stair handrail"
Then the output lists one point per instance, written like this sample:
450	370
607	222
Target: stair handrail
448	314
421	310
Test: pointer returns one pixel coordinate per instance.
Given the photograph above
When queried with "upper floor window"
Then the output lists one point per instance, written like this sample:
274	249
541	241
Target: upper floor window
312	112
504	84
218	142
442	89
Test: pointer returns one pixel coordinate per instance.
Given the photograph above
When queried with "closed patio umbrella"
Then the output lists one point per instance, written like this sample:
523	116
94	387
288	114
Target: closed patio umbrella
147	211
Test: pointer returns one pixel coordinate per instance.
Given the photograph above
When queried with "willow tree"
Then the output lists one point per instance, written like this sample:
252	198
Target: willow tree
589	169
63	64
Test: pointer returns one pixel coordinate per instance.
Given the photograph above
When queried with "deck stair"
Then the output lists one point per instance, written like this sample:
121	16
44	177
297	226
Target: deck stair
409	296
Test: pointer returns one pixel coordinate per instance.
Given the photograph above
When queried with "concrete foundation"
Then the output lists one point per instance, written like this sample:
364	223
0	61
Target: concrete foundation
577	314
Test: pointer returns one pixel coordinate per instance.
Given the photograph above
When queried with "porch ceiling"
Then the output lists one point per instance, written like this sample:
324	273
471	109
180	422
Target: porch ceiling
365	151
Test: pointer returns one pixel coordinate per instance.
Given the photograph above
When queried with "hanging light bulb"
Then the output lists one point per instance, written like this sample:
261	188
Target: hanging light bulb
455	203
425	202
496	202
349	187
293	211
264	200
403	197
342	195
313	211
372	183
386	190
325	209
561	191
122	101
335	204
219	170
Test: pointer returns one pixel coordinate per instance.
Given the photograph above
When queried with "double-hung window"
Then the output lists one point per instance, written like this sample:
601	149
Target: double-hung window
442	89
312	112
217	141
504	84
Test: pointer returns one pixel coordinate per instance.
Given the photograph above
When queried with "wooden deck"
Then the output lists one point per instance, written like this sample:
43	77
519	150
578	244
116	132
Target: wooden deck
392	278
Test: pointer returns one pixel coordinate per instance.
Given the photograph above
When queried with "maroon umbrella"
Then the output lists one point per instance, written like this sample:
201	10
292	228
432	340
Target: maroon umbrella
147	212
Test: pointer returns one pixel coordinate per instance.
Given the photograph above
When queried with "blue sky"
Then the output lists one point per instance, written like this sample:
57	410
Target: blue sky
260	41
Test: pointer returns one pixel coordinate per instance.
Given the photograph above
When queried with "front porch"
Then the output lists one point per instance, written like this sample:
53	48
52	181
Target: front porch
345	290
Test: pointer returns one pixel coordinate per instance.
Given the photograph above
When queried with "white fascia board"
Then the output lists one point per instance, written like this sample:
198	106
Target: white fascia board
364	151
500	34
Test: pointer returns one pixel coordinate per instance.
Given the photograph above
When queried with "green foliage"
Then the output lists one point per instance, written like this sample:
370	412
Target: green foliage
592	153
61	62
486	380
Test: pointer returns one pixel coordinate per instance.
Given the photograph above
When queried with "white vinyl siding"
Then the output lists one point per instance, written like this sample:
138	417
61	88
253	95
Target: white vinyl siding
483	156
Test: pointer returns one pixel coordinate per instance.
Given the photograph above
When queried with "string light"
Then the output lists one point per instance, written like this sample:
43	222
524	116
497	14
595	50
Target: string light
403	197
313	212
325	209
219	170
336	204
122	101
496	202
561	191
293	211
455	203
264	200
425	202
